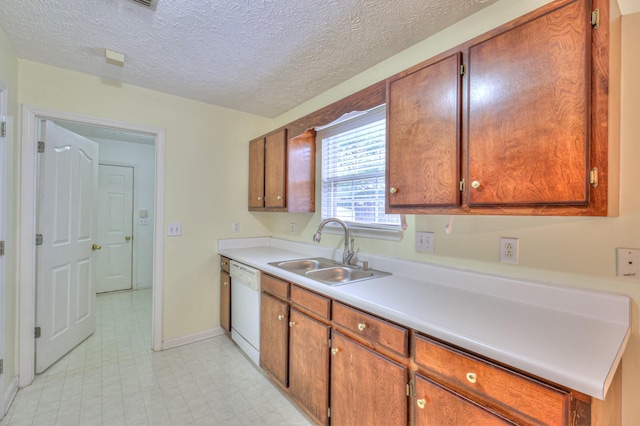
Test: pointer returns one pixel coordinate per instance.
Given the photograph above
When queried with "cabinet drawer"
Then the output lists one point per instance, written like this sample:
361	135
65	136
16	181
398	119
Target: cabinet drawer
376	330
311	301
224	263
274	286
507	391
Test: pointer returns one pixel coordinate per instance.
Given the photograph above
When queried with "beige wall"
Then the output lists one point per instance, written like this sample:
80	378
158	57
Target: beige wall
573	251
9	75
206	150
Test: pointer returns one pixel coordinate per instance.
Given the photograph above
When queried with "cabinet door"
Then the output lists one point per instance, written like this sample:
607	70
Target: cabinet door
256	174
529	114
366	387
274	337
309	364
423	127
436	405
225	301
275	169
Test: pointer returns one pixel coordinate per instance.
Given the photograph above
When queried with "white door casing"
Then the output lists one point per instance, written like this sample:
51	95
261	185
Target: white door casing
27	230
115	228
65	291
3	224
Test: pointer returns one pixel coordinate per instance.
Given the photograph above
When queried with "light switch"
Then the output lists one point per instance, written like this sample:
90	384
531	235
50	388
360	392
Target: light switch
174	229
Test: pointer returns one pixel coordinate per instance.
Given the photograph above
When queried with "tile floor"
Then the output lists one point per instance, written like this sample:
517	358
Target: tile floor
113	378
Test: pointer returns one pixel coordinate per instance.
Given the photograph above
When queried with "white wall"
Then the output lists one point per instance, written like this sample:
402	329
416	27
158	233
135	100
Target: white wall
142	158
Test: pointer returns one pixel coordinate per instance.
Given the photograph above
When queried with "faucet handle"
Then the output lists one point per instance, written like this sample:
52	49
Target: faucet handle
365	264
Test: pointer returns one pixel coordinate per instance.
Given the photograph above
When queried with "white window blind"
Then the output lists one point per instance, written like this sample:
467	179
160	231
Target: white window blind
353	171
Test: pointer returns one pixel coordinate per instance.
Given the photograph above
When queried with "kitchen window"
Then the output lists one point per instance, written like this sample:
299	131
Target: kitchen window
353	174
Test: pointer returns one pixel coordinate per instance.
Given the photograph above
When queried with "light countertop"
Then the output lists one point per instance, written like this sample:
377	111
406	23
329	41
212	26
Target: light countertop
569	336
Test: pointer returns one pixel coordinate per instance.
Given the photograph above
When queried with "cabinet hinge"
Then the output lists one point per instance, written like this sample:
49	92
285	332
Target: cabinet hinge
329	343
329	412
3	129
595	19
1	248
38	332
409	389
1	366
40	147
39	239
462	185
463	69
593	177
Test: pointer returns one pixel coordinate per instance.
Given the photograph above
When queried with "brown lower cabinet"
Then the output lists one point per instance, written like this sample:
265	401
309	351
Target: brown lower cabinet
344	366
437	405
367	388
309	364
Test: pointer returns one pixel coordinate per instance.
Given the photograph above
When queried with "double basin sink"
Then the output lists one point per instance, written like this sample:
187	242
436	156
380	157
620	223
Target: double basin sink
328	271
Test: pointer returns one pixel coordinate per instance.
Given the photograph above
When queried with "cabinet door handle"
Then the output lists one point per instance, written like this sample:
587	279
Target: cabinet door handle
225	283
223	264
259	198
280	317
471	377
96	247
362	326
291	323
335	351
421	402
393	190
279	197
475	184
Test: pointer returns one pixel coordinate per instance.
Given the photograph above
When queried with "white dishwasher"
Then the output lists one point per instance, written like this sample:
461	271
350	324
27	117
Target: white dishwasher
245	308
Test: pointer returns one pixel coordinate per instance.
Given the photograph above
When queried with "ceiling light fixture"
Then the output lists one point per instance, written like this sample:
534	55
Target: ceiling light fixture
151	4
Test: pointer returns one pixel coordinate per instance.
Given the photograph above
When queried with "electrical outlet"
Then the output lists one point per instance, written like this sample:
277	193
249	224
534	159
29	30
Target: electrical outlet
235	226
425	241
174	229
628	263
509	250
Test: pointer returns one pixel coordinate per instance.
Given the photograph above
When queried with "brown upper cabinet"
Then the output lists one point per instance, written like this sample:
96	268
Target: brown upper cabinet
282	173
512	122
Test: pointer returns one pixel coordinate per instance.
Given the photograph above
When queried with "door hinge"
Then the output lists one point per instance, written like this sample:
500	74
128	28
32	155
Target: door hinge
1	366
463	69
38	332
593	177
3	129
1	248
595	19
39	239
409	389
40	147
462	185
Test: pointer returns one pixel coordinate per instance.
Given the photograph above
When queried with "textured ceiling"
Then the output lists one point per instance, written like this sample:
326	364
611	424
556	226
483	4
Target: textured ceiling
259	56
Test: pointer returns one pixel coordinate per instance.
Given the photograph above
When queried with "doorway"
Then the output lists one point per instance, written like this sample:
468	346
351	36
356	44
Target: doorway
28	209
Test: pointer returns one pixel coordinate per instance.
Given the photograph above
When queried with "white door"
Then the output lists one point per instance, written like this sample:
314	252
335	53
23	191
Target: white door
65	294
115	228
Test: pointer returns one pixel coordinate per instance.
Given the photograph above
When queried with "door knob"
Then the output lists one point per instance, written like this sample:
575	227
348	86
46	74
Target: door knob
96	247
127	237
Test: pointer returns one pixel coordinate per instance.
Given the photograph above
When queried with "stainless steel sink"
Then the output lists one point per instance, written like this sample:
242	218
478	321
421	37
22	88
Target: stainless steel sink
305	264
328	271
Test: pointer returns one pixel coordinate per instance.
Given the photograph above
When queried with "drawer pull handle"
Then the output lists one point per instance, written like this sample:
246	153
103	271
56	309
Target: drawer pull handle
471	377
223	264
362	326
334	351
280	317
291	323
475	184
421	403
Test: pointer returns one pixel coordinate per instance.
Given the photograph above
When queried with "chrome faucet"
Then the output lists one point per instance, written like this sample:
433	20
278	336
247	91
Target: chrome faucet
348	253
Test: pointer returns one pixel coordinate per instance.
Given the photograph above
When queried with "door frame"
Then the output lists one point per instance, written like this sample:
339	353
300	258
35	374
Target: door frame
3	223
27	248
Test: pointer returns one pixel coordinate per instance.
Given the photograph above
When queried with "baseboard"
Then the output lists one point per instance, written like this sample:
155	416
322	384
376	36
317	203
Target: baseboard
9	395
192	338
